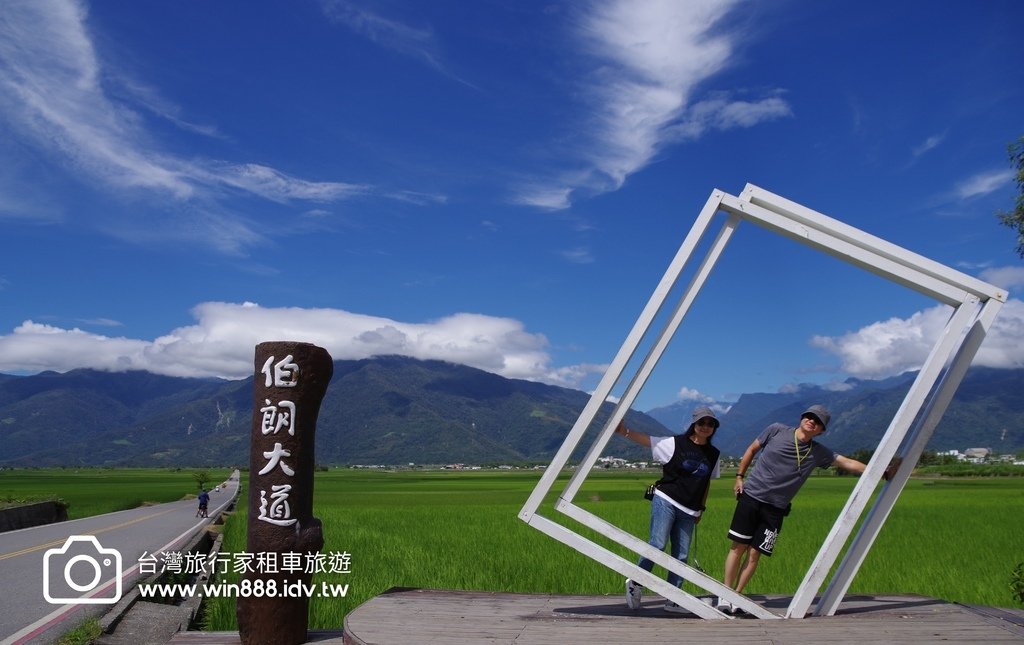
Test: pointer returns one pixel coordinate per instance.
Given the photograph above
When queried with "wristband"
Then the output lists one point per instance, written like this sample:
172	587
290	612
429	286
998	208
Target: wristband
741	476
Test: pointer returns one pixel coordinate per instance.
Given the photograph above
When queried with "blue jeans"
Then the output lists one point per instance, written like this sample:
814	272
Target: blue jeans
668	522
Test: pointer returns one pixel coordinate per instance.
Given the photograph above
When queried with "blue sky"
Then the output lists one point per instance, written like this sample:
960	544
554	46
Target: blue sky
500	184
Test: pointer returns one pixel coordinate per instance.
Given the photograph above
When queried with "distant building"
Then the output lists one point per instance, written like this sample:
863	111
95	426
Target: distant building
977	455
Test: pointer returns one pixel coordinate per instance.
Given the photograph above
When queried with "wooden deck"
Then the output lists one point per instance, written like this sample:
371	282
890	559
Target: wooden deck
404	616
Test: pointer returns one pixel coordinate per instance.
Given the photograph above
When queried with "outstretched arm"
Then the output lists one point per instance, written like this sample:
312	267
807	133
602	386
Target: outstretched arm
849	465
857	468
633	435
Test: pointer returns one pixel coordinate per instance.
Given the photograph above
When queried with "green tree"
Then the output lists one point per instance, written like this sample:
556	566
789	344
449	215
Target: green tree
201	477
1015	218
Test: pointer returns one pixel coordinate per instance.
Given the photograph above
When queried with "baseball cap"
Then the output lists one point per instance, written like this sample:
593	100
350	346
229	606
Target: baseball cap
820	413
704	411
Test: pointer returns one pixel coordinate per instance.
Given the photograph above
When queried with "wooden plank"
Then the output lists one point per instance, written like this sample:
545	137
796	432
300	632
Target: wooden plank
465	617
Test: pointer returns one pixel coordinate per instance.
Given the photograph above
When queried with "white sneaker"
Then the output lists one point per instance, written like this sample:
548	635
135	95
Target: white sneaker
724	606
674	608
633	594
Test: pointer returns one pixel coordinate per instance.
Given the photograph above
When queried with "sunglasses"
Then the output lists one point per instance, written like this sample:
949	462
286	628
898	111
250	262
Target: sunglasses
708	423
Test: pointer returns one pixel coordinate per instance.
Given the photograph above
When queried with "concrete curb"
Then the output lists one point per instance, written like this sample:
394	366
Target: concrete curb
134	621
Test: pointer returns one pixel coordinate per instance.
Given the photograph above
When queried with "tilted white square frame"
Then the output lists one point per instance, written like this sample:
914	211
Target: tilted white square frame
976	304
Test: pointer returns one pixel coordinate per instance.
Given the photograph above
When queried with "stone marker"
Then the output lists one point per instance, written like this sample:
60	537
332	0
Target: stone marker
290	383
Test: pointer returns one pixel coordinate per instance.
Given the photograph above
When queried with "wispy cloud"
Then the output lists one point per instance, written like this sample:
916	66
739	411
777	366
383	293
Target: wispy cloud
579	255
983	183
102	322
648	56
275	185
149	98
388	33
419	43
220	343
50	75
722	113
544	196
930	143
834	385
52	93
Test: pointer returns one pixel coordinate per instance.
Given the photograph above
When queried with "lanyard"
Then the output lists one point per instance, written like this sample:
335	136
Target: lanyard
796	446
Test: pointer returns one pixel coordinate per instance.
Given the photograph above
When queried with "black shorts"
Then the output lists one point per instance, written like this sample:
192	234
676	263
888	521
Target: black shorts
756	523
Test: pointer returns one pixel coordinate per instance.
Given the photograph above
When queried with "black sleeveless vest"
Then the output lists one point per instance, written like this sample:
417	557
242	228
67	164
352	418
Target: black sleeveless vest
688	473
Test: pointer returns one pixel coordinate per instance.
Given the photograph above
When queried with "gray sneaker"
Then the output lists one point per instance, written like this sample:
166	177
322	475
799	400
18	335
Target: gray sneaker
674	608
724	606
633	594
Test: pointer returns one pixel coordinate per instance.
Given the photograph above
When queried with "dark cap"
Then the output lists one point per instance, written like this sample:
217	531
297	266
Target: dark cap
702	412
820	413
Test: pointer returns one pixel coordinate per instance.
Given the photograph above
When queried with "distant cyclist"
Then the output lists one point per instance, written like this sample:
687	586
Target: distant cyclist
204	502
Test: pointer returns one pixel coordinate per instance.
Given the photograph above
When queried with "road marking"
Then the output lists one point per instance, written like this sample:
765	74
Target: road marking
60	614
39	547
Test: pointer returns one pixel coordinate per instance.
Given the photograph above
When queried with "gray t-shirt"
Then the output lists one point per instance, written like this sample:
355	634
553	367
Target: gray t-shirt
783	465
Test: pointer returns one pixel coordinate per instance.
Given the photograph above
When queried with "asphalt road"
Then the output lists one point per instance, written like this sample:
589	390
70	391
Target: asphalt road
26	616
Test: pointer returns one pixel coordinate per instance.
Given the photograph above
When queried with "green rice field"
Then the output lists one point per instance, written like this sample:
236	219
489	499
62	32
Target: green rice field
954	539
92	491
957	539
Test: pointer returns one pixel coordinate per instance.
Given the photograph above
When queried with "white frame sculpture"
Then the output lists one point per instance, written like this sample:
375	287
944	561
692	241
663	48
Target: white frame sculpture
976	304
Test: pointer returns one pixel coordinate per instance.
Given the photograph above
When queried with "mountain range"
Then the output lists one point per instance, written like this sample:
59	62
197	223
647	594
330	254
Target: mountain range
386	410
398	410
986	412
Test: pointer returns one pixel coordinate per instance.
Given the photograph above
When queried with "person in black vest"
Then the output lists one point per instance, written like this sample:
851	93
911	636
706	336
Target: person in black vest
690	461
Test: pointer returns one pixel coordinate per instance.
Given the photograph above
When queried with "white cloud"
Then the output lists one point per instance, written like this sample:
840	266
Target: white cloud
698	398
983	183
837	386
1008	278
648	55
53	96
221	343
688	394
572	375
898	345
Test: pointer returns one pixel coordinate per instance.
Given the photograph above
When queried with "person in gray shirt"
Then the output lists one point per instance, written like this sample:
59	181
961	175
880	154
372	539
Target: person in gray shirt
787	457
